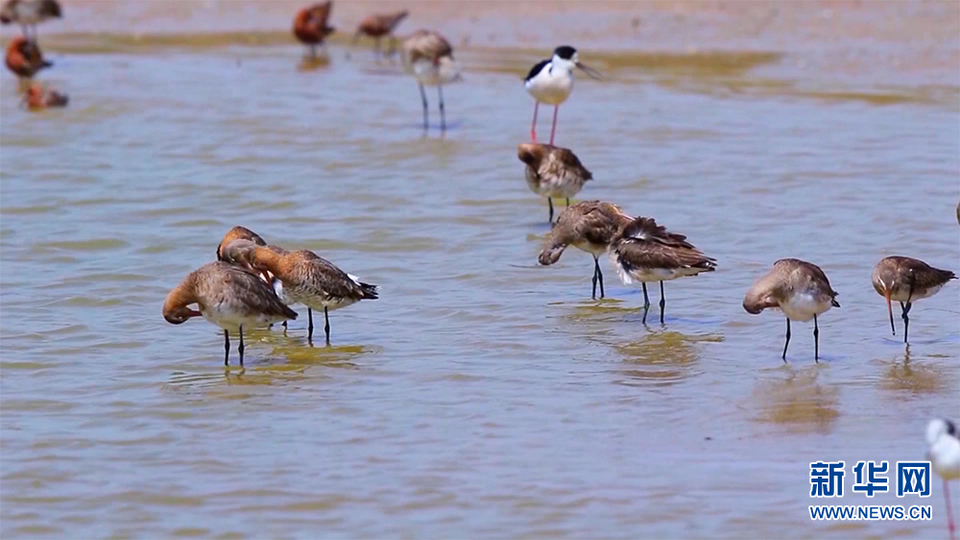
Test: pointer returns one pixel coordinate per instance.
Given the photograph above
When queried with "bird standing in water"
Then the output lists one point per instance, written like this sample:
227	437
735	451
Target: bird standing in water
310	25
28	14
24	58
943	453
380	25
428	56
551	81
907	280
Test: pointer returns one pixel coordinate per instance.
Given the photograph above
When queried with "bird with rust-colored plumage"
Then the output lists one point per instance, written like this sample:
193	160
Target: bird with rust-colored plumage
24	58
378	26
310	25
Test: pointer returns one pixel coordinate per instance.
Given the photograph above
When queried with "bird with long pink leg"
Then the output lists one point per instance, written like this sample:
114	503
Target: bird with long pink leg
944	456
551	81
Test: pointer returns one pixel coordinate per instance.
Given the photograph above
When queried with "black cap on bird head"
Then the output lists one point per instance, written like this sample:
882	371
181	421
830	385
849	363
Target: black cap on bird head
565	51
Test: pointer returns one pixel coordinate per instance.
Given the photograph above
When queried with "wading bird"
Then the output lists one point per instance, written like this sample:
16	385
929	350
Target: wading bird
28	14
24	58
310	25
303	277
944	456
553	172
428	56
551	81
644	251
800	290
589	226
229	297
380	25
907	280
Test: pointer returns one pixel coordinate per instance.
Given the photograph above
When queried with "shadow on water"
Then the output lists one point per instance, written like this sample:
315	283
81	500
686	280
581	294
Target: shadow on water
798	402
312	64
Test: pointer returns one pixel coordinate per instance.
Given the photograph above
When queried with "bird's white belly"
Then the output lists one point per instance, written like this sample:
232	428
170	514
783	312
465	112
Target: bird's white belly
551	89
945	457
902	296
803	306
230	319
430	74
646	275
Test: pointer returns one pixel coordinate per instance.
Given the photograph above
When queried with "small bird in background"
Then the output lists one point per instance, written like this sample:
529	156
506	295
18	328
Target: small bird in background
229	297
907	280
28	14
38	98
551	81
800	290
552	172
428	56
590	226
380	25
646	252
310	25
24	58
943	452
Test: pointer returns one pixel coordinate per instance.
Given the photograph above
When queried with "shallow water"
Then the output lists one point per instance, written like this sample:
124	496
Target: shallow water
481	395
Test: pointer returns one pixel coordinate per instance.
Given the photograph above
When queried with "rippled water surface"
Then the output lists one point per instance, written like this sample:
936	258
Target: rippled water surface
481	395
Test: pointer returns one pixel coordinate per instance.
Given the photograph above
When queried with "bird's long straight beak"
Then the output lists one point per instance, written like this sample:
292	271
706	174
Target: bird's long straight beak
589	71
890	311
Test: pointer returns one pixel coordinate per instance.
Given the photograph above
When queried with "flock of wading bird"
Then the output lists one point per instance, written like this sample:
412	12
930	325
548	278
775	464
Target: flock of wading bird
253	283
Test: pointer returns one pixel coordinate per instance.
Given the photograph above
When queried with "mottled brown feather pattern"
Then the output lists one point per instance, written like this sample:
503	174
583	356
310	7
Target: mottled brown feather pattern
643	244
222	286
897	275
310	279
426	44
588	225
552	171
380	24
29	11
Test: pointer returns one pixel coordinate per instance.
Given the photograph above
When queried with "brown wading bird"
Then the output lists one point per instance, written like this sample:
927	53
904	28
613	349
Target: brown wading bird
310	25
907	280
800	289
590	226
303	277
428	56
28	14
229	297
24	58
243	233
644	251
378	26
553	172
38	97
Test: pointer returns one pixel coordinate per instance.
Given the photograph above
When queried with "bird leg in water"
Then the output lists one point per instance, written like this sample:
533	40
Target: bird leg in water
240	348
906	319
786	343
226	348
550	202
309	326
326	324
646	302
816	341
443	115
423	97
663	302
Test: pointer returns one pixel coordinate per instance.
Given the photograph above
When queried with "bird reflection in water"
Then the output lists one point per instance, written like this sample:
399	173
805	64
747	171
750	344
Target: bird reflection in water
797	402
313	63
661	358
915	376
